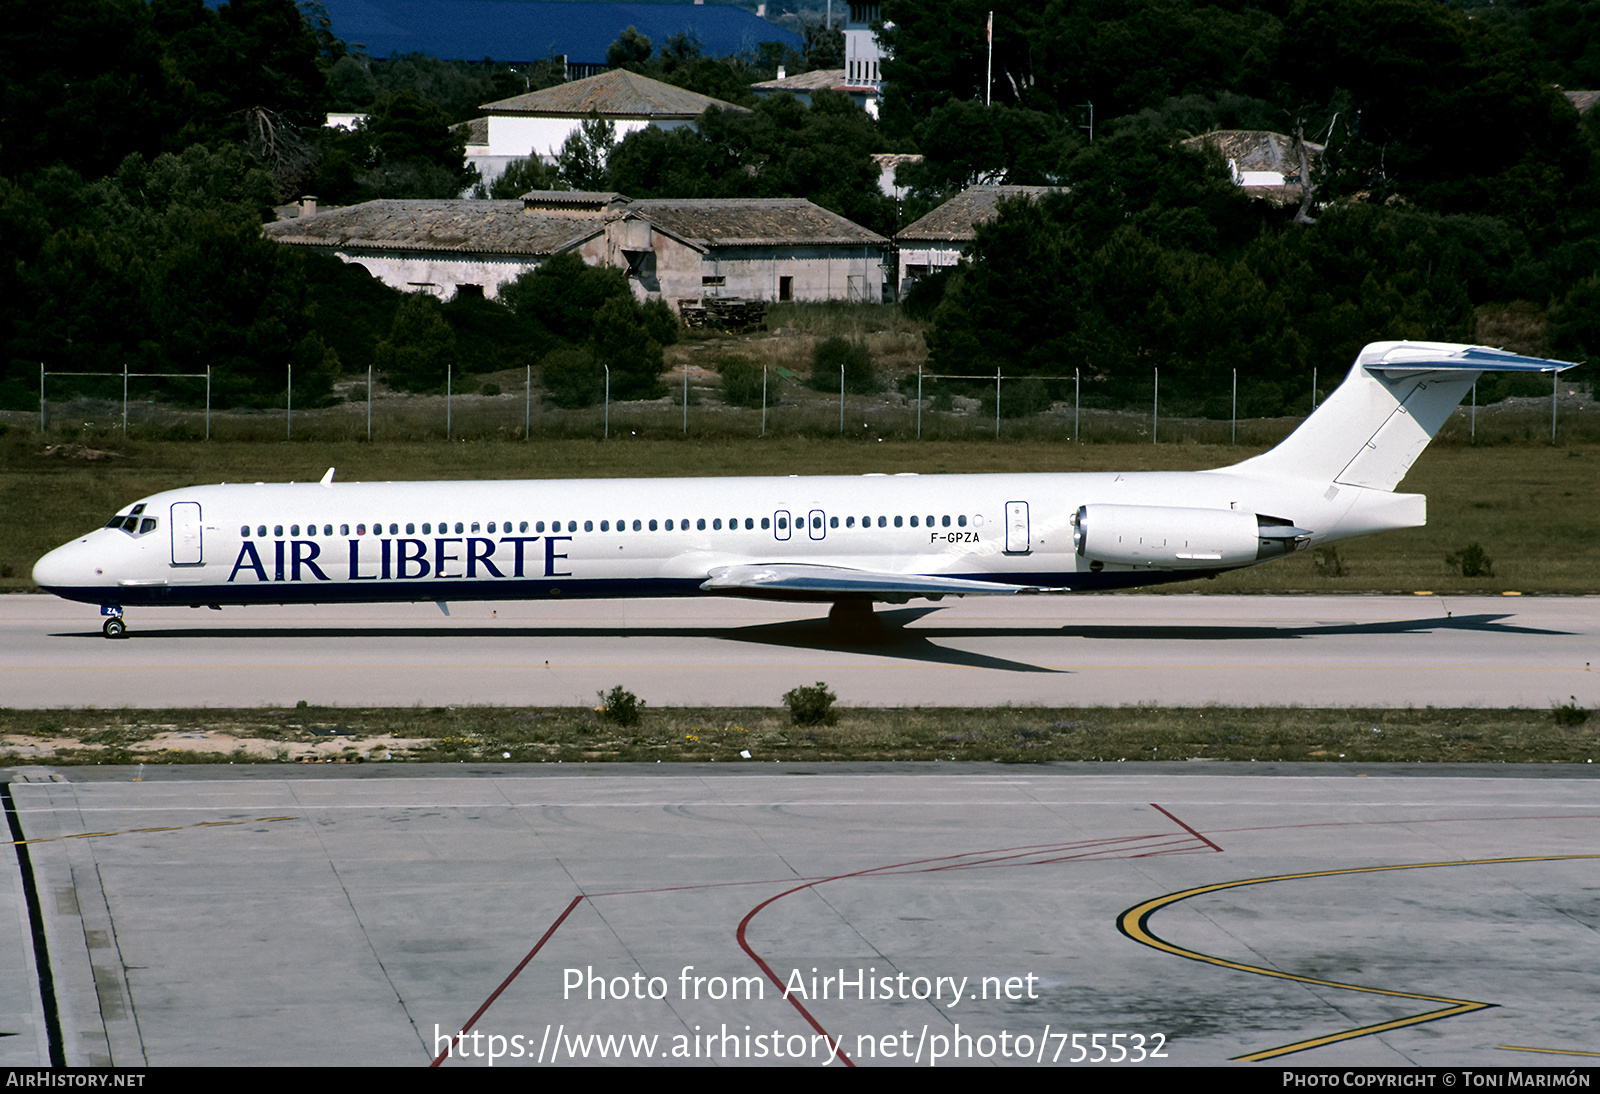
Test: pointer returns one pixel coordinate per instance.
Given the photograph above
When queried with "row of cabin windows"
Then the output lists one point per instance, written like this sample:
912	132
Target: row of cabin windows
538	527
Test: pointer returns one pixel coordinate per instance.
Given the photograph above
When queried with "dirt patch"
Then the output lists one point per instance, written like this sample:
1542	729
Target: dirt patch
79	452
323	750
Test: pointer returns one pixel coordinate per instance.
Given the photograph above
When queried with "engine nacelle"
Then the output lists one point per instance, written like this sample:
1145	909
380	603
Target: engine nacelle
1171	537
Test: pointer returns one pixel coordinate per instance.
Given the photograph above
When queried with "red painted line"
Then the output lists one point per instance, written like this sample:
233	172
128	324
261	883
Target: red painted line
969	860
1004	856
506	983
1186	828
766	968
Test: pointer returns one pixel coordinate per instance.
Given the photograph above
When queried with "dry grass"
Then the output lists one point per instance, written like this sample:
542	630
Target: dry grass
1005	735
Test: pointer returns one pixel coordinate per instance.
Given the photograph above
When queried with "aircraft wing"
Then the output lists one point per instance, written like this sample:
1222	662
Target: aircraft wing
823	581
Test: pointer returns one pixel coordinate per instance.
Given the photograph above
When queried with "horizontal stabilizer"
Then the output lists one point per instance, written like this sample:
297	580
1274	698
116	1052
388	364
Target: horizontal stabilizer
1445	356
821	582
1394	400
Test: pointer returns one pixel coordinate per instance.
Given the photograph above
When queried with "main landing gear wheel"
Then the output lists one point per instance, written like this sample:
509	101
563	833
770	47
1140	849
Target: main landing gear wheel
115	628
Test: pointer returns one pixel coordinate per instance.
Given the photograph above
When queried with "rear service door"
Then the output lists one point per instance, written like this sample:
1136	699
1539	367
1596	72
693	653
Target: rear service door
187	549
1017	528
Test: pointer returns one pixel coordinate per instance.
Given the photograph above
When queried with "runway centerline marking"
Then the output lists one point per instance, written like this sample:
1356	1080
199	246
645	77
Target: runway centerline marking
1135	924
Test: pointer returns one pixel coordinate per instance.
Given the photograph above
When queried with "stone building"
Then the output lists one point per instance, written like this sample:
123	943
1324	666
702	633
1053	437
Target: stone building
772	249
938	239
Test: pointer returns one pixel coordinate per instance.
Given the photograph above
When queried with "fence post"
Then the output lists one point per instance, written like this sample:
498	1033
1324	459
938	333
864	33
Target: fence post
208	402
1077	401
527	404
1155	409
763	398
288	403
686	399
369	402
43	424
124	398
841	400
449	400
997	402
608	401
1473	428
1234	414
919	402
1555	382
1313	390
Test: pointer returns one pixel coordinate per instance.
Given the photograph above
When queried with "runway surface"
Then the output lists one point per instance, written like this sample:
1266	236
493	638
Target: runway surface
922	914
1183	649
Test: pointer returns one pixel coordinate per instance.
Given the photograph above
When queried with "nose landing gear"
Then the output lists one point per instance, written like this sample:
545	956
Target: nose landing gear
113	627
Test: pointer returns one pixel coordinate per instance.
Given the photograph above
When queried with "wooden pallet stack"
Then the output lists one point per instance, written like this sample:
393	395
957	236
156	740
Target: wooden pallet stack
730	313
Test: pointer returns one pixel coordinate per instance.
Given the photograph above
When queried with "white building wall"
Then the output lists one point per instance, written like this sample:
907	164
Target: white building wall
917	260
519	138
438	274
814	273
863	56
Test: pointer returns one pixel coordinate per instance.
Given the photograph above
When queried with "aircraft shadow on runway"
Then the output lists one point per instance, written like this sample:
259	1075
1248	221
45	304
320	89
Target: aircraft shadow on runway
897	641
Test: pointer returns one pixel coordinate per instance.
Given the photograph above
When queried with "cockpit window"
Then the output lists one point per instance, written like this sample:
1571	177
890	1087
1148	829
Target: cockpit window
132	523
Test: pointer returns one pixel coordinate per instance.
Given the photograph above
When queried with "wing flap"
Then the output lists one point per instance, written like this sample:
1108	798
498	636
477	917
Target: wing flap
822	581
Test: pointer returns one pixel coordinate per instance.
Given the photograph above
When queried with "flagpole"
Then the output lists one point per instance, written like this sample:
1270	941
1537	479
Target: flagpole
988	82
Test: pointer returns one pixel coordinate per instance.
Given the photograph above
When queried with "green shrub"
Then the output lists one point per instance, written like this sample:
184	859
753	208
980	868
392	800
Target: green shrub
1018	398
621	706
811	706
1470	561
572	378
742	383
1568	715
860	378
1327	563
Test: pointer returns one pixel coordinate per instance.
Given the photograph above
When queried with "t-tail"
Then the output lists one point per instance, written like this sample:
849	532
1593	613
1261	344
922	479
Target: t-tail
1375	425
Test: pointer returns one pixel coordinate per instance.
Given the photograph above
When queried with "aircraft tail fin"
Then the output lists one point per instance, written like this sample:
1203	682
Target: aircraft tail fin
1377	422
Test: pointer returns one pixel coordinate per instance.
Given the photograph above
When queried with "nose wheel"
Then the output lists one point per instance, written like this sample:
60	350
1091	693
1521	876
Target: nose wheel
114	628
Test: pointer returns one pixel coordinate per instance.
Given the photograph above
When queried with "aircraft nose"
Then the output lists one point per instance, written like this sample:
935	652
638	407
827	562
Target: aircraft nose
64	567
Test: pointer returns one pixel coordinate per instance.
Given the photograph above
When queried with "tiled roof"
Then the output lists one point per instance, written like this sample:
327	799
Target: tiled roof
1583	100
476	131
822	79
1256	149
533	30
954	221
731	222
618	93
520	227
481	227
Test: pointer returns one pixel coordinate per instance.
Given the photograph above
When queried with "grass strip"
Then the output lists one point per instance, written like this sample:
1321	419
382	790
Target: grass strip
1564	734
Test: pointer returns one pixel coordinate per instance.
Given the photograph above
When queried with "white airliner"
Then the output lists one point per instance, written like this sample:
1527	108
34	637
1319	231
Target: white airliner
851	541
